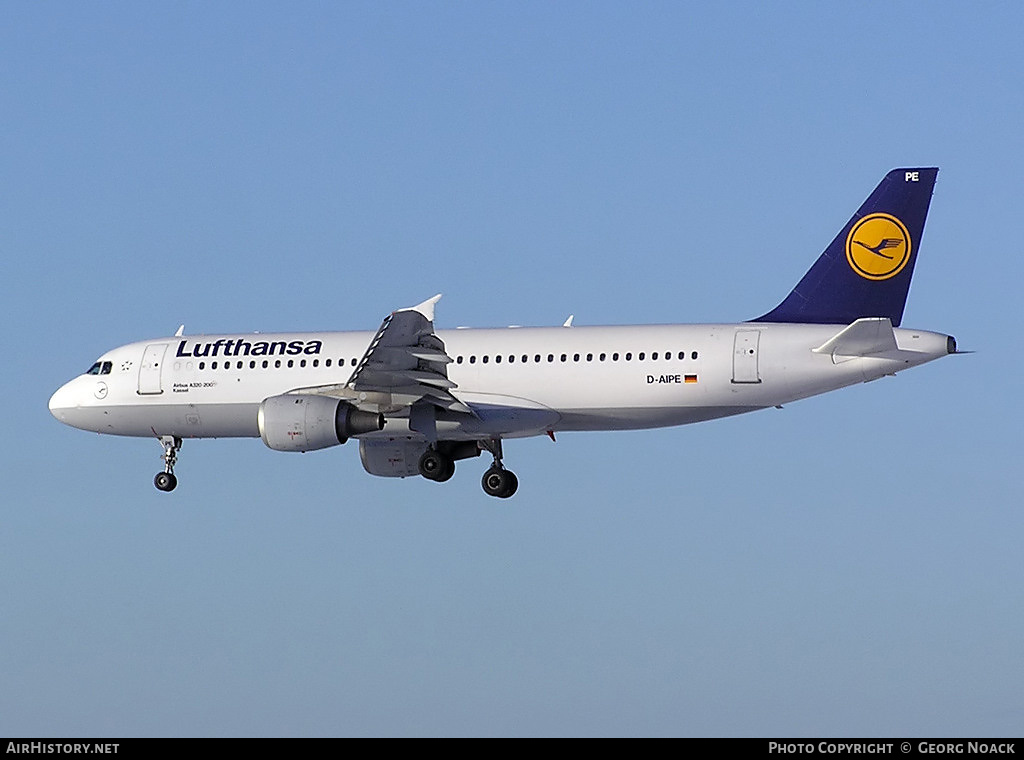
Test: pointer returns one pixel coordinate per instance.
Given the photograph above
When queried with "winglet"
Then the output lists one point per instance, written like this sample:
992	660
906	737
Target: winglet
568	322
426	308
180	331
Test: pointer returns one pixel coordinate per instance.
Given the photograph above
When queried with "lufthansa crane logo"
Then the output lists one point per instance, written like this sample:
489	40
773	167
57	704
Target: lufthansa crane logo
878	247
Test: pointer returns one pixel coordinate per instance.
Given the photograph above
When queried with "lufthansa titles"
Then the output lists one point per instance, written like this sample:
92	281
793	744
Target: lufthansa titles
242	347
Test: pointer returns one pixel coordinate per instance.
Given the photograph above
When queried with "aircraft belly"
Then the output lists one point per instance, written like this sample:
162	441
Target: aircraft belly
641	418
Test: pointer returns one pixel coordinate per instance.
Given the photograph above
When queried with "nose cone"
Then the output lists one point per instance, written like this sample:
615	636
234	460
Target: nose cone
62	402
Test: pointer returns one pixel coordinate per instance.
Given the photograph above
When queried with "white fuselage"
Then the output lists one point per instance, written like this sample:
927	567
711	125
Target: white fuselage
519	381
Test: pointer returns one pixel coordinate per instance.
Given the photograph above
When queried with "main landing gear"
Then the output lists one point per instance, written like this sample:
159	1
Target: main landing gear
498	481
165	481
437	463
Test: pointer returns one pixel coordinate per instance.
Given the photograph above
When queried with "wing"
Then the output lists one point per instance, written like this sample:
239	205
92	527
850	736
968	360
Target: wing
405	366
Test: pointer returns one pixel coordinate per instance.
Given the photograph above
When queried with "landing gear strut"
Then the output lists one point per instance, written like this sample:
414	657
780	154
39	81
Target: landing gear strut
165	481
498	481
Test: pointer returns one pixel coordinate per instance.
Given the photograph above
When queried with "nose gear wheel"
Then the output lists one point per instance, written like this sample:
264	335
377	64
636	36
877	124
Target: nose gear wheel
165	481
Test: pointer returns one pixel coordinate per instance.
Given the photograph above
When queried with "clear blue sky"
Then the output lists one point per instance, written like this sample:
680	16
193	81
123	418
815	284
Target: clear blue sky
849	566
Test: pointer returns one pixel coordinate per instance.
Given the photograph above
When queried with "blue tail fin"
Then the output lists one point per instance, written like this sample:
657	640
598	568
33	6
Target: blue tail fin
866	270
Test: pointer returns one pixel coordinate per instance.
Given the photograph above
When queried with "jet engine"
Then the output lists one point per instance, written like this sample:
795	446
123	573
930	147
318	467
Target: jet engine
299	422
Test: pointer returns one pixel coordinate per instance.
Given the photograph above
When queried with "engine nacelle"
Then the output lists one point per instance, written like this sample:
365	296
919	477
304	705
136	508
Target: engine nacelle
299	422
391	457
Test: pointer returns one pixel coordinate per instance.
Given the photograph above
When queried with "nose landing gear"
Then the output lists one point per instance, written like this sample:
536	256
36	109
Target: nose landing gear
165	481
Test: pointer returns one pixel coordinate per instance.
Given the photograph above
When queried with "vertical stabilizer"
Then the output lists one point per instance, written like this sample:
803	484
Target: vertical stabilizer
866	270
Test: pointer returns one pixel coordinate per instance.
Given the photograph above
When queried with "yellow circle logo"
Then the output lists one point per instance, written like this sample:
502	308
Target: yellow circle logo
878	247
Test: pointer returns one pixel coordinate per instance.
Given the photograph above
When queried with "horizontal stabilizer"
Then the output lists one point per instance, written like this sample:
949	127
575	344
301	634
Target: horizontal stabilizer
865	337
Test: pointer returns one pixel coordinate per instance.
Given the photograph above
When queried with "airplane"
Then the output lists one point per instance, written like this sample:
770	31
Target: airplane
420	399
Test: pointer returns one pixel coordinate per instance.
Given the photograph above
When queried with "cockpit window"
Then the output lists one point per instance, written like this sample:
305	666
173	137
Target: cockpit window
100	368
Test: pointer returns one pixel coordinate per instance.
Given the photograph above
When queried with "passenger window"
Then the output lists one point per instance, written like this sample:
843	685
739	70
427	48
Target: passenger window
563	357
202	365
601	357
252	364
590	357
693	355
615	357
472	360
458	360
575	357
641	356
277	364
265	364
629	357
484	360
